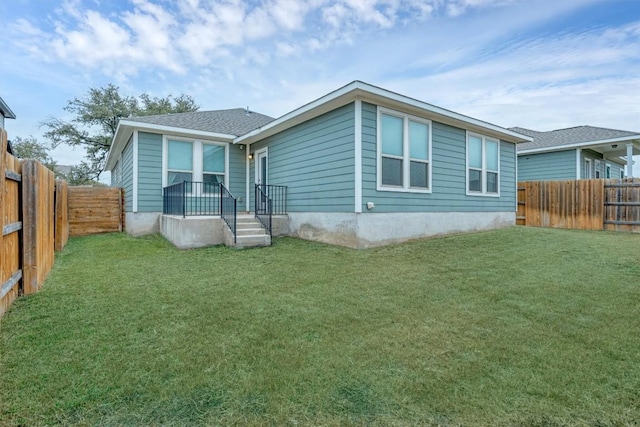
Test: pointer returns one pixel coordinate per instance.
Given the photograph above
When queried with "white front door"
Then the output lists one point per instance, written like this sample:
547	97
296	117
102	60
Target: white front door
261	167
261	179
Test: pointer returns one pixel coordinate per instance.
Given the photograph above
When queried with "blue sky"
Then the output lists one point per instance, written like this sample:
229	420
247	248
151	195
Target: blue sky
540	64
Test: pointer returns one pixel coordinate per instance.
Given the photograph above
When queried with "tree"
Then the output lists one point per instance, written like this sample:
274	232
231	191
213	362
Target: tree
82	175
96	120
30	148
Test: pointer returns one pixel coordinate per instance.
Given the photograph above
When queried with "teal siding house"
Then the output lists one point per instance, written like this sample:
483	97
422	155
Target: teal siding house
360	167
582	152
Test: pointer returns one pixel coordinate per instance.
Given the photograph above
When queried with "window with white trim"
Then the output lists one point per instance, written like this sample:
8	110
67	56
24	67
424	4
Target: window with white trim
483	165
587	168
404	152
607	173
179	161
212	165
621	173
197	161
597	169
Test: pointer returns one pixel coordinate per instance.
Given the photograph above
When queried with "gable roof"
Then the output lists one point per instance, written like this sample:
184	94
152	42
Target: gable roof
5	110
358	90
236	121
571	137
220	124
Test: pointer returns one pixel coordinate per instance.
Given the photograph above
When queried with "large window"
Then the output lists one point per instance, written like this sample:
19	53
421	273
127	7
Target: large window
212	165
180	161
404	152
198	161
483	165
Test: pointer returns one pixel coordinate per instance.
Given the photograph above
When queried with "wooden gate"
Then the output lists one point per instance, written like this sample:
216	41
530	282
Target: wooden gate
622	205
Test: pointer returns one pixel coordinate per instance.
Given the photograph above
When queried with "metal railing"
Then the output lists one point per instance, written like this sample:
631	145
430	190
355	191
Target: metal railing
269	200
191	198
263	207
229	210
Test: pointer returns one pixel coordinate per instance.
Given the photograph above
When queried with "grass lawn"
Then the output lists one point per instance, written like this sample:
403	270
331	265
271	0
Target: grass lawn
522	326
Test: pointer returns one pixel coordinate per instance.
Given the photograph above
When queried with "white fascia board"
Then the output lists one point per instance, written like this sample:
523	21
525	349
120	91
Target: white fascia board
126	126
589	144
368	93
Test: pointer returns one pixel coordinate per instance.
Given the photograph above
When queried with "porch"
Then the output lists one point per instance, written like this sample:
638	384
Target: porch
199	214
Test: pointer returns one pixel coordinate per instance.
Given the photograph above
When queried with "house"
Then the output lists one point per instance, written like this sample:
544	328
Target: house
5	113
361	166
582	152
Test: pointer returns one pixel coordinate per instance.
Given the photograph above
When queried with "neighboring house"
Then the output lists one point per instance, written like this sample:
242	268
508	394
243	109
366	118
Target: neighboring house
582	152
5	113
362	167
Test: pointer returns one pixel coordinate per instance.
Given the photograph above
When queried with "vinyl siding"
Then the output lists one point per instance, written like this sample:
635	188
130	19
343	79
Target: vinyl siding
449	174
237	174
149	172
127	175
557	165
316	160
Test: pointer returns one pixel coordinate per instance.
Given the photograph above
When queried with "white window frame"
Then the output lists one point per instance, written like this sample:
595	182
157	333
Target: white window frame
406	153
197	153
587	169
598	173
484	170
621	173
607	171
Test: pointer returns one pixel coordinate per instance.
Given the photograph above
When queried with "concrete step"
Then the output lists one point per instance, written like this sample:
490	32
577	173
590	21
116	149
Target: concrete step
251	231
252	241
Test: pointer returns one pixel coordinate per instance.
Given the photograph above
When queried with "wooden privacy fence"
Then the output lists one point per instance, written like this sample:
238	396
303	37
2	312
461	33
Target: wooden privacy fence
37	215
27	223
95	210
594	204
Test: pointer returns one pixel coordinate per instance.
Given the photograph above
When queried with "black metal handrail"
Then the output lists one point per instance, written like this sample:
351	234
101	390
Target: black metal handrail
278	196
263	207
190	198
173	199
229	210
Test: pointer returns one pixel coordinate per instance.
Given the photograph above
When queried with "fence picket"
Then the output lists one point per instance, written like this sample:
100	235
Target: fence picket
594	204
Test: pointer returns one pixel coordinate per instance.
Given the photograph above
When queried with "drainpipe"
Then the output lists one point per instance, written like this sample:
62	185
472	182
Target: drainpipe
630	160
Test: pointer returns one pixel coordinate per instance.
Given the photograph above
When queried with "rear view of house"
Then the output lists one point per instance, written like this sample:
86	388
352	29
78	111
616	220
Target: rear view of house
360	167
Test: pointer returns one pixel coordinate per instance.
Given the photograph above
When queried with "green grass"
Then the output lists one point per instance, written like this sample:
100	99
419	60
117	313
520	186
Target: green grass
522	326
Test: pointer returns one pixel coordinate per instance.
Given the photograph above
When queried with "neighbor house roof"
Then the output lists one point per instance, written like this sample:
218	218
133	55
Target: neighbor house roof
255	127
574	137
5	110
236	121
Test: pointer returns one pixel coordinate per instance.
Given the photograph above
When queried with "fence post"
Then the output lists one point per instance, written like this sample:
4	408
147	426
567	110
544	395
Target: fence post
29	224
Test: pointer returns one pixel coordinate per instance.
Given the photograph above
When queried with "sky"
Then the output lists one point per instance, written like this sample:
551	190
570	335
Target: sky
538	64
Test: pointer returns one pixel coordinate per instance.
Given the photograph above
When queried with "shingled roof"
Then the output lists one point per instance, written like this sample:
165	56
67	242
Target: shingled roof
569	136
236	121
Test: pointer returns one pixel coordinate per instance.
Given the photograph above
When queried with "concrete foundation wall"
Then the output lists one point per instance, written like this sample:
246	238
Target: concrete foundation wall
141	223
368	230
193	231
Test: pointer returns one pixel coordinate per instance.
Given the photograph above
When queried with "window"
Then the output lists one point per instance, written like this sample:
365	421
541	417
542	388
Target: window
587	168
212	166
197	161
404	151
621	173
597	169
483	165
607	173
180	161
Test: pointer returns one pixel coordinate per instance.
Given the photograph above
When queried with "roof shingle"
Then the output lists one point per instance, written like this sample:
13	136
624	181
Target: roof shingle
236	121
568	136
